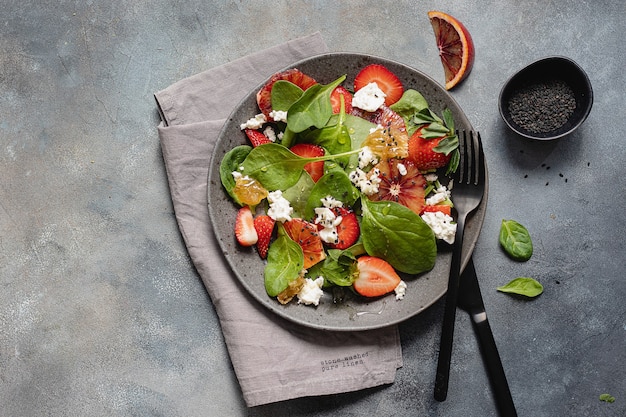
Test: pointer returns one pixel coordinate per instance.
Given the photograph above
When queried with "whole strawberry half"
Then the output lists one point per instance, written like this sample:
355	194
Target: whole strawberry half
309	150
386	80
423	154
348	231
264	226
402	182
376	277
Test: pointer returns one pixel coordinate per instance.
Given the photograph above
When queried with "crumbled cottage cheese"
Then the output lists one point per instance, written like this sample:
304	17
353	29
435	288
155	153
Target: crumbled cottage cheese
367	157
270	133
400	290
402	169
366	182
441	224
280	209
328	219
279	115
441	194
254	123
311	291
369	98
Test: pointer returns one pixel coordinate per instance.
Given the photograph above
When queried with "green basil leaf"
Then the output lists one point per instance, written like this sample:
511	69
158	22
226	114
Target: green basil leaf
231	162
313	109
522	286
284	94
607	398
285	260
396	234
410	103
334	183
515	240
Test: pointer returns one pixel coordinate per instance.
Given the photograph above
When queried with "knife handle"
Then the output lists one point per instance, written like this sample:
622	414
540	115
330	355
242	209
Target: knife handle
500	386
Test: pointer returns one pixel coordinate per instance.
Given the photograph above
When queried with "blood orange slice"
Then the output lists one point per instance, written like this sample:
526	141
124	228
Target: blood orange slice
402	182
456	48
305	234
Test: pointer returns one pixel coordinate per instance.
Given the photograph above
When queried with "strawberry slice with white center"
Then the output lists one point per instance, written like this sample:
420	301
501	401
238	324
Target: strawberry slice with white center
376	277
309	150
386	80
244	227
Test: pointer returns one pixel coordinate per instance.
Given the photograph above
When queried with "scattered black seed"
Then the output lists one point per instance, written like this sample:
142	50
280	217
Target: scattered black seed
543	165
588	163
560	175
542	107
557	281
565	179
547	183
526	176
547	167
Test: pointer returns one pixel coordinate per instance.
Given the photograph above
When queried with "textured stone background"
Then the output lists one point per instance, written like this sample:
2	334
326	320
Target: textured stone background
101	311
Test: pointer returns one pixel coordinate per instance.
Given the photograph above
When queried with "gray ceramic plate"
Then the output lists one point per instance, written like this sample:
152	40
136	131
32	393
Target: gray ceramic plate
352	313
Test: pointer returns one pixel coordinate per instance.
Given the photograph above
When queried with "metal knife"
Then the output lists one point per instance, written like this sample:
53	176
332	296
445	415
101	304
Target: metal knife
471	300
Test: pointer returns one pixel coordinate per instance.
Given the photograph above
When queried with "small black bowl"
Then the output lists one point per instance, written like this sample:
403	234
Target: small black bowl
548	99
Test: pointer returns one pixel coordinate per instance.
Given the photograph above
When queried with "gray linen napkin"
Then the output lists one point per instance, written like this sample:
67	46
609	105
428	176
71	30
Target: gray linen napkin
273	359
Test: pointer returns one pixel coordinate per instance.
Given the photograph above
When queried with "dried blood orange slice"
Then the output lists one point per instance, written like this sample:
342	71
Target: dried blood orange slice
456	48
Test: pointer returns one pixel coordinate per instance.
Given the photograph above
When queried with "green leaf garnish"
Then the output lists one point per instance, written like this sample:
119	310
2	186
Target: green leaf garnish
528	287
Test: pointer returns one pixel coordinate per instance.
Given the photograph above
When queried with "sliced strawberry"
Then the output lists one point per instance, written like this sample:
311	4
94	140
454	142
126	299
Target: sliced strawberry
348	230
309	150
257	138
335	99
244	227
422	154
386	80
306	235
406	188
264	226
444	208
376	277
264	95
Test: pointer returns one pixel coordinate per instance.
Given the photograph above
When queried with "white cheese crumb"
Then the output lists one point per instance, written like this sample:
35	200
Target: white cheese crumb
369	98
279	115
442	225
328	219
400	290
402	169
330	202
270	133
280	209
311	291
254	123
430	177
441	194
366	182
367	157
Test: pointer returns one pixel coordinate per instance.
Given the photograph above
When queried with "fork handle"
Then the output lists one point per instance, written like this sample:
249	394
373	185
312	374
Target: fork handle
449	316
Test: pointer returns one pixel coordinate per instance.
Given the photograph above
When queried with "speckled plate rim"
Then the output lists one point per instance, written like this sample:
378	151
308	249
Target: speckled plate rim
355	313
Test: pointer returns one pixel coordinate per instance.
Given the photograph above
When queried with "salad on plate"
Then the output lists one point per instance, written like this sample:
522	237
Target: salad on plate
342	188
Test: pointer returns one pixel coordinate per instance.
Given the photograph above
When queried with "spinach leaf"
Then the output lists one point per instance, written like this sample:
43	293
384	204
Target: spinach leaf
607	398
515	240
284	94
334	183
284	263
393	232
298	195
231	162
313	109
410	103
522	286
274	166
334	137
337	268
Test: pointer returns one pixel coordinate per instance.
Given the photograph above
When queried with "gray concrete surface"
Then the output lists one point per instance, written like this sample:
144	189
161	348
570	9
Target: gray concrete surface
101	311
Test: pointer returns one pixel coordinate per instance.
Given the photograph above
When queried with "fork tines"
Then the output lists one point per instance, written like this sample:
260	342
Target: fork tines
471	153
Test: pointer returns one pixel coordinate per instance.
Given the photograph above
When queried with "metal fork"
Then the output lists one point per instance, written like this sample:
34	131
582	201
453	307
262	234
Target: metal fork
468	189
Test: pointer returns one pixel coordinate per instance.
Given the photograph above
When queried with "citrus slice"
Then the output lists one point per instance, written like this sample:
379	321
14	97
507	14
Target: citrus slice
306	235
456	48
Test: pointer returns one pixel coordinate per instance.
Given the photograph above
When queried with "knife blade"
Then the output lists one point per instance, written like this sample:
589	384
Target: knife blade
470	299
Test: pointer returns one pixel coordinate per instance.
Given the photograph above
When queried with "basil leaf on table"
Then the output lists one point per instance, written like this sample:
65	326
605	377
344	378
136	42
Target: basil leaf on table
515	240
528	287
